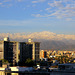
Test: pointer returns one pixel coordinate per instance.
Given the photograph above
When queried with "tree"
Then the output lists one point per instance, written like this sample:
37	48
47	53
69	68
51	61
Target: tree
29	62
4	61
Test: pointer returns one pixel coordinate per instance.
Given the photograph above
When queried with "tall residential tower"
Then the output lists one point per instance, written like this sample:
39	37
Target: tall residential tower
30	50
9	50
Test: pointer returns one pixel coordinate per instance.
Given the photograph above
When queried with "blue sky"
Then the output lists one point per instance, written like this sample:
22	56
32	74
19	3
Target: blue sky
17	16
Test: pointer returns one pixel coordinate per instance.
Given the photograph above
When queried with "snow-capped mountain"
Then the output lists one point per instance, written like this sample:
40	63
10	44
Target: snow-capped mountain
49	40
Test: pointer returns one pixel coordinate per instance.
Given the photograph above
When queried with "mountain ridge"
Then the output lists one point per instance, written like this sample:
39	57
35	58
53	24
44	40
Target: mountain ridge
38	35
49	40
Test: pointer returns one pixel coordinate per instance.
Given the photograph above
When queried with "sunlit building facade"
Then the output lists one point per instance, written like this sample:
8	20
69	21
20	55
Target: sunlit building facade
43	54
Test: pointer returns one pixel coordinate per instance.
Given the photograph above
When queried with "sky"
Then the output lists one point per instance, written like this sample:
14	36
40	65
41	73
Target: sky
18	16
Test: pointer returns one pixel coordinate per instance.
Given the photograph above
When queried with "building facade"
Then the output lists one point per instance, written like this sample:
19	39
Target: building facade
9	51
43	54
30	50
25	51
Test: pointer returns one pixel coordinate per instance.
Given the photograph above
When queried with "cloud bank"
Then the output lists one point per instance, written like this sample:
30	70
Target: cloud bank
60	9
37	1
53	8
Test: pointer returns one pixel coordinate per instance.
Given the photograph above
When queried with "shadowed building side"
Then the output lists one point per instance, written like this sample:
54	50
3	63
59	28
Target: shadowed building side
29	50
25	51
9	50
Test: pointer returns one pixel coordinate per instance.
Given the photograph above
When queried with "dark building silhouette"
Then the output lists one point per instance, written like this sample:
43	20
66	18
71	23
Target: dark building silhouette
30	50
9	50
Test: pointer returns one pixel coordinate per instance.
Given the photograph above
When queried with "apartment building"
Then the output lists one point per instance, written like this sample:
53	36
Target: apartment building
9	50
30	50
43	54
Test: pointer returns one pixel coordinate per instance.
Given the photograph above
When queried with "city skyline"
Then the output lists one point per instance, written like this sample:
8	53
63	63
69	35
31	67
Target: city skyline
17	16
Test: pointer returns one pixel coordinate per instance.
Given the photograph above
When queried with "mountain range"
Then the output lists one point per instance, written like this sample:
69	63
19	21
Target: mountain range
48	40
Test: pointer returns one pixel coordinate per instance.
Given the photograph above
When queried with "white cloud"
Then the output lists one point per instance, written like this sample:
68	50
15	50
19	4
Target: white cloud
14	0
13	23
19	0
48	9
24	8
60	9
41	10
6	5
37	15
7	0
56	4
9	3
37	1
69	19
28	6
1	3
34	1
33	5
